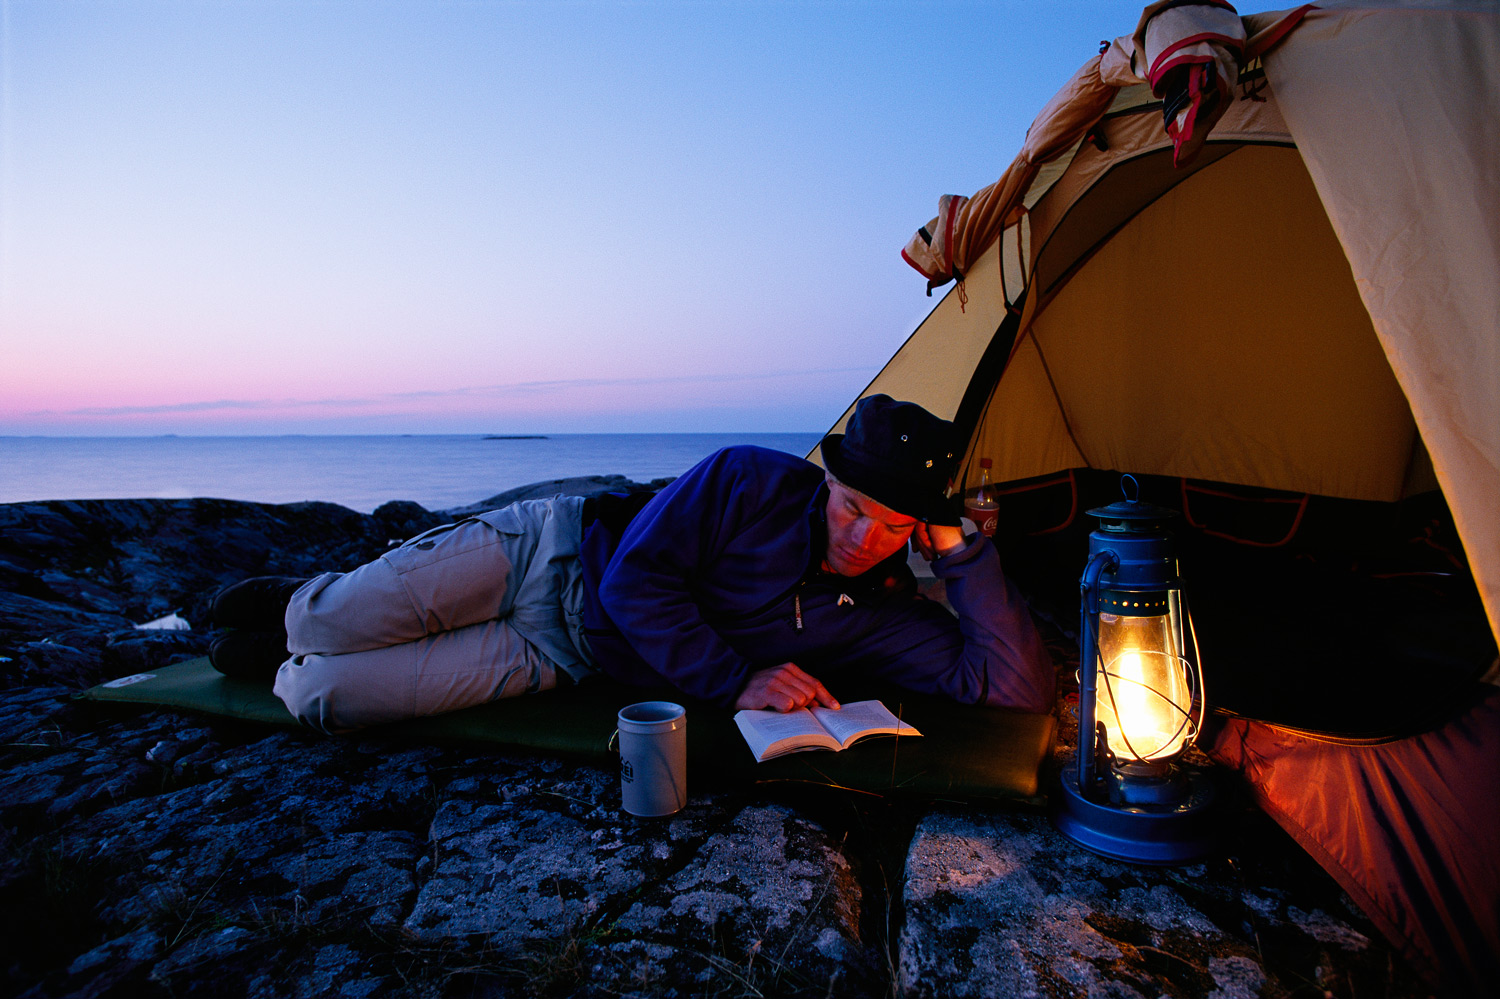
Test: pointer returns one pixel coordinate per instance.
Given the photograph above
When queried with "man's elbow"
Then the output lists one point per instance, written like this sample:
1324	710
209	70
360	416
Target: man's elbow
1032	689
1037	699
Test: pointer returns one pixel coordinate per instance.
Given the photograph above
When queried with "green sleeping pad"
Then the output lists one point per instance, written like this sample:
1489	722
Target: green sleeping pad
965	751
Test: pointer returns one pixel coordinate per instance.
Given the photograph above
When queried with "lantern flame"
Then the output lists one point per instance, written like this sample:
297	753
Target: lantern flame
1145	697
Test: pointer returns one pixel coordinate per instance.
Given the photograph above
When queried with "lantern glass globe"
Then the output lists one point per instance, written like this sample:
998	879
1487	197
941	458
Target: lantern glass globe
1144	690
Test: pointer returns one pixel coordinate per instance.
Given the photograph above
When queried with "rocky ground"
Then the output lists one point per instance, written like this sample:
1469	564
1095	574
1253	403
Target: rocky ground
147	853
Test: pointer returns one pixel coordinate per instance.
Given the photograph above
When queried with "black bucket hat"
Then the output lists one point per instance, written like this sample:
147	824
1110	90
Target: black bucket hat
898	454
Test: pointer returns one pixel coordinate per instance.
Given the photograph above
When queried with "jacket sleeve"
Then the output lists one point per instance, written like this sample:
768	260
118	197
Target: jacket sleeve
648	589
993	656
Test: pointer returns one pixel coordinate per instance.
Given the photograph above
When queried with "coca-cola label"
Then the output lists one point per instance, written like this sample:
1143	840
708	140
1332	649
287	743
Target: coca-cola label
986	518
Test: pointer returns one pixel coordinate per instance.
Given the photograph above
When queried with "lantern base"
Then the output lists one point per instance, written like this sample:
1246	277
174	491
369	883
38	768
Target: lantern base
1176	833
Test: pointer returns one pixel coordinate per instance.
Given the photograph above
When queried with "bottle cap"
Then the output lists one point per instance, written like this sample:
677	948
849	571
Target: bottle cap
985	463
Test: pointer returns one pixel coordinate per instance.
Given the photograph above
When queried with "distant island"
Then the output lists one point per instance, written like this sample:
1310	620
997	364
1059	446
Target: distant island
514	437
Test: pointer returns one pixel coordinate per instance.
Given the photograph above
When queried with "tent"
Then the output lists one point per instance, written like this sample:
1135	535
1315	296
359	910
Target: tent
1284	316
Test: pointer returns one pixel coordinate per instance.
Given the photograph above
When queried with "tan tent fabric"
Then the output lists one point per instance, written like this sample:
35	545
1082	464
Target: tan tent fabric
1312	304
1412	185
1403	155
1117	371
1131	131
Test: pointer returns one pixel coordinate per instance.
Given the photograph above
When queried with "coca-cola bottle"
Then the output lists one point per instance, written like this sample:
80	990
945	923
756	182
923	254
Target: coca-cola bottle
981	507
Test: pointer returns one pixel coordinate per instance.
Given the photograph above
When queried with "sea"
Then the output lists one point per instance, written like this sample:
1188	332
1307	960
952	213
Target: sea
360	472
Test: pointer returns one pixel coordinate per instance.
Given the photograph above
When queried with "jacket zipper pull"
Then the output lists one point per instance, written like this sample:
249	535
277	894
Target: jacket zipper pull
797	606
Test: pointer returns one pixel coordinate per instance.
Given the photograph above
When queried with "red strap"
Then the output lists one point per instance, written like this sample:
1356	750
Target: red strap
1187	514
1268	37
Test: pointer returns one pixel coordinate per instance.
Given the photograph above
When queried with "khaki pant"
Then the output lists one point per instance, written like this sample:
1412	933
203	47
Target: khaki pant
466	613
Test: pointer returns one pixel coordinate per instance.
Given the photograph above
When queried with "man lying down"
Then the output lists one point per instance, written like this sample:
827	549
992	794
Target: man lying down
747	582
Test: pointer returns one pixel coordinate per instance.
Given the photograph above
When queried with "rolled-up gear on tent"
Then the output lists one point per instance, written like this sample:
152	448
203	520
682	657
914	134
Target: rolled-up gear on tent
1189	51
931	249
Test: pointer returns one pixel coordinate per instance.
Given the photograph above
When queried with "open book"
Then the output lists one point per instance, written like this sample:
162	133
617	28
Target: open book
773	733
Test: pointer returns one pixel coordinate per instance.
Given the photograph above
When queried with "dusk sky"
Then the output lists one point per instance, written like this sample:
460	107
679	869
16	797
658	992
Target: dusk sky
428	217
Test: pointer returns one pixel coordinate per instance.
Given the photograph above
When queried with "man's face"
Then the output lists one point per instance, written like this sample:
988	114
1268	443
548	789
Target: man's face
861	532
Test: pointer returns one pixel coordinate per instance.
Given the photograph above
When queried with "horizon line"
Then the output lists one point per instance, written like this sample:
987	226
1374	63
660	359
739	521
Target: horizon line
482	435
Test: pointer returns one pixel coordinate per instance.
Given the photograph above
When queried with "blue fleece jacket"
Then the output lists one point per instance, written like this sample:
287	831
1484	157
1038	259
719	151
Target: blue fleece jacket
720	575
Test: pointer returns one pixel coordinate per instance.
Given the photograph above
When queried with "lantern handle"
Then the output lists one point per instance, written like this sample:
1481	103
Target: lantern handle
1088	584
1197	673
1127	477
1104	561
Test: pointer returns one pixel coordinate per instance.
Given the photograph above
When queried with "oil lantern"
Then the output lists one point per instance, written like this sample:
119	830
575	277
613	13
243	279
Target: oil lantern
1140	698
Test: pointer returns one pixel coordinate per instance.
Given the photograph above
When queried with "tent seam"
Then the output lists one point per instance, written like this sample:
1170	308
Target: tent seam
1056	396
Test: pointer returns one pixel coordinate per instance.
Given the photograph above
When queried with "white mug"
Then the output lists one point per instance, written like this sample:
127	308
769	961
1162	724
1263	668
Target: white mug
653	758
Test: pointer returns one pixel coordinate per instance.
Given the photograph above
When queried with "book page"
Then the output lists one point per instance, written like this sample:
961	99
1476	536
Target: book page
861	718
771	733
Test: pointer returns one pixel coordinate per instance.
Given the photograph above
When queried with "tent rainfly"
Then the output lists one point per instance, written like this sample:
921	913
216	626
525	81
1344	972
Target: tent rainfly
1293	286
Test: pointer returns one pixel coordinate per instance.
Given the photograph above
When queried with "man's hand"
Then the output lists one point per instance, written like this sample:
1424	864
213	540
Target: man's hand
937	540
783	688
